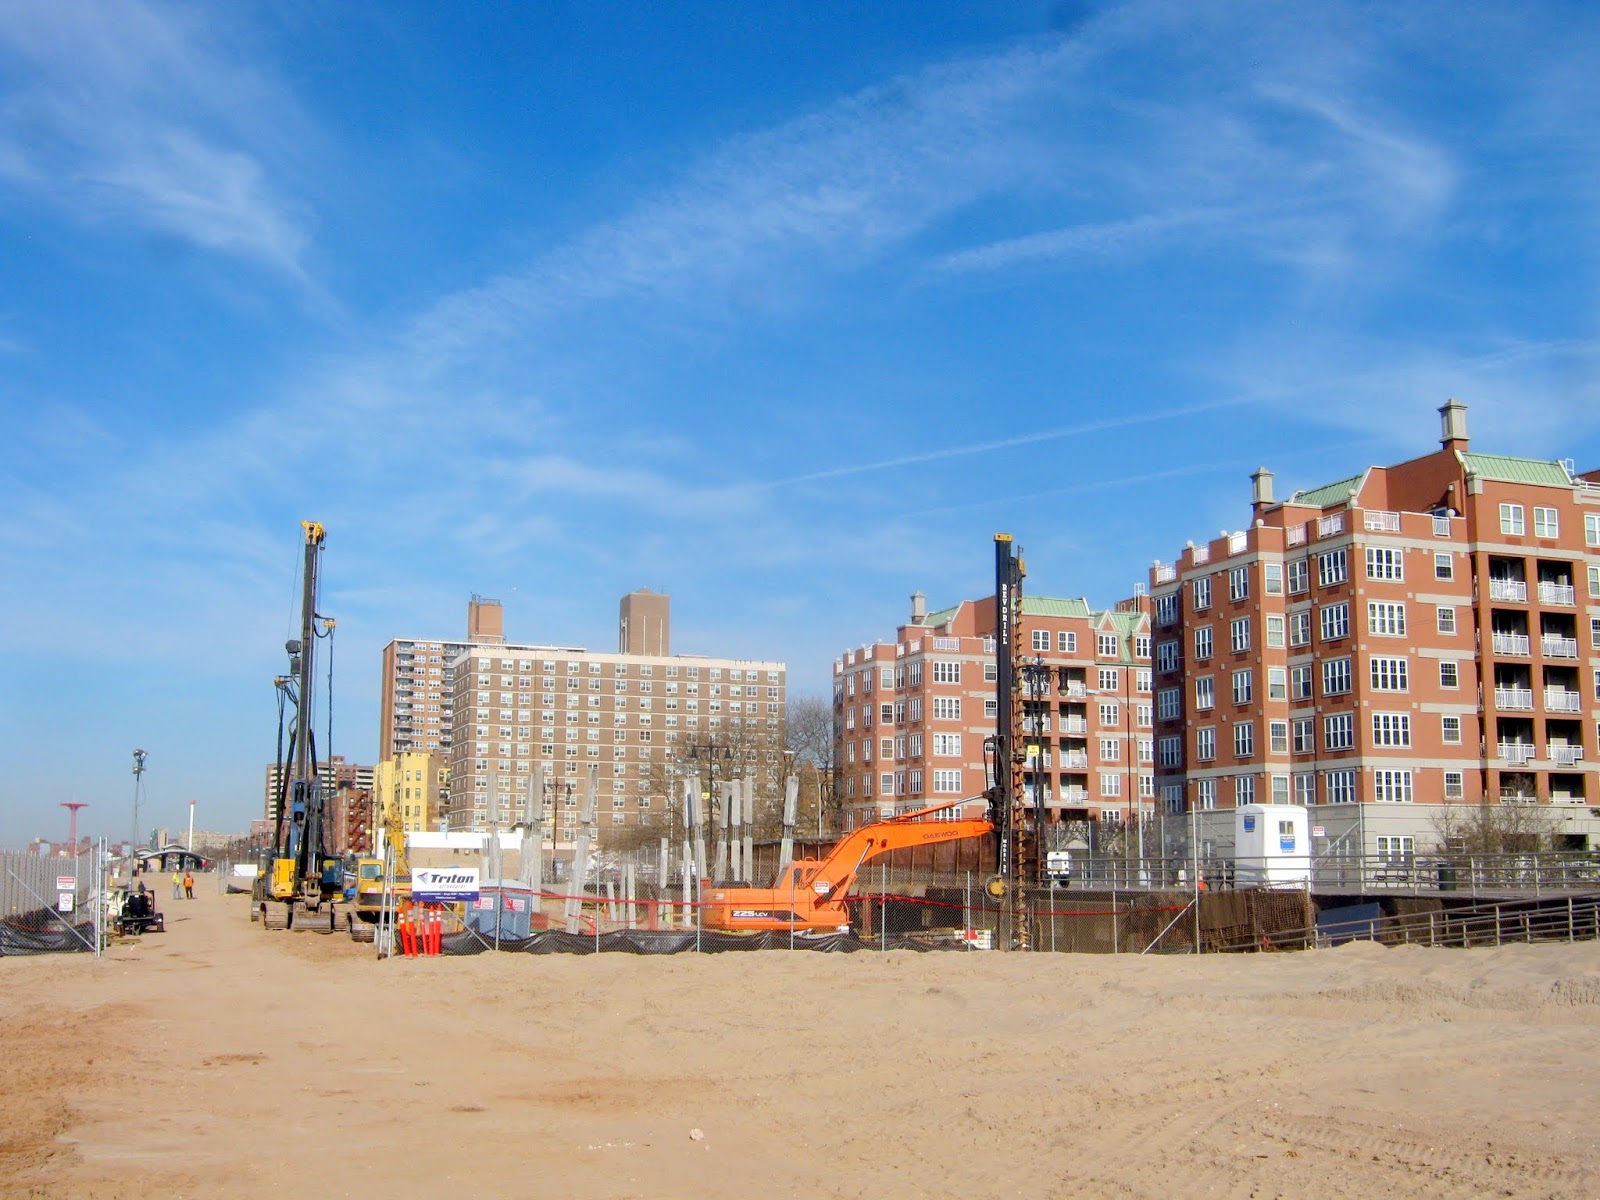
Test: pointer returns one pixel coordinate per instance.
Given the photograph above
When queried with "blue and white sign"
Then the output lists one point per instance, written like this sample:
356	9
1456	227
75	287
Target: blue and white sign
1249	823
444	885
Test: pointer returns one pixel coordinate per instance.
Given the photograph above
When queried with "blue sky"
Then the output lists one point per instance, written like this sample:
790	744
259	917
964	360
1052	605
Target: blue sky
784	309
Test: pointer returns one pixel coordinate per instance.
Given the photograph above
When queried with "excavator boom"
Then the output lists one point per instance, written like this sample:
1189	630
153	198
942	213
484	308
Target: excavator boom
809	895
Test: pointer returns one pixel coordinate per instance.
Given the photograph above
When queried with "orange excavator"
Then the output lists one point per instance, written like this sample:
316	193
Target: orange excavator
809	894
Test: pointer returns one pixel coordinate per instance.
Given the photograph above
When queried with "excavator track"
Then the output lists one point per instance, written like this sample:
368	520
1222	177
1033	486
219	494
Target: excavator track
274	916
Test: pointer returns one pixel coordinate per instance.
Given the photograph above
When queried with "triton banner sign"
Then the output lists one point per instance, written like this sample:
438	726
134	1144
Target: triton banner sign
444	885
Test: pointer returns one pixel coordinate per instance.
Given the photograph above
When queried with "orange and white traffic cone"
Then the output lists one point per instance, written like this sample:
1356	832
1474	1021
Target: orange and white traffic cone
408	932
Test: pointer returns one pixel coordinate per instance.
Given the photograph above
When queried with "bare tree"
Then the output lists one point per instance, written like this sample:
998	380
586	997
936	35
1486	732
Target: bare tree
809	738
1494	828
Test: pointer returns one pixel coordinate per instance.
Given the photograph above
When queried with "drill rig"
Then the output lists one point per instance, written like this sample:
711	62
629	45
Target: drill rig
299	881
1018	836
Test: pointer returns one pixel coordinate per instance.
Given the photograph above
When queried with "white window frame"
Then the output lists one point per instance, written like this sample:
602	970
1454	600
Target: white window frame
1333	621
1386	563
1389	673
1511	520
1386	618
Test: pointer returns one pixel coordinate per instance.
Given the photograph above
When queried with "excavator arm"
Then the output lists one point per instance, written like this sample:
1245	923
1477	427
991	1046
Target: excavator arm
810	894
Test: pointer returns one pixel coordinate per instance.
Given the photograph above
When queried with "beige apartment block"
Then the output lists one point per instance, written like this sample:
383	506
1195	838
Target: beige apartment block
644	721
914	718
1406	639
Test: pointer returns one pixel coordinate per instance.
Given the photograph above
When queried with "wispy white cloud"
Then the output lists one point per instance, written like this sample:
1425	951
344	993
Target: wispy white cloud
1105	239
1011	443
133	114
1531	397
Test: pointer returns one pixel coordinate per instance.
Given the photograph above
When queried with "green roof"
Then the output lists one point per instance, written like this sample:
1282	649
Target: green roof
1126	622
1045	606
1329	493
942	617
1506	469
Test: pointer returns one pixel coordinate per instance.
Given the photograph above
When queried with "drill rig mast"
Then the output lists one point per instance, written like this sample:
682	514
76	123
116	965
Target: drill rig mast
1017	842
300	879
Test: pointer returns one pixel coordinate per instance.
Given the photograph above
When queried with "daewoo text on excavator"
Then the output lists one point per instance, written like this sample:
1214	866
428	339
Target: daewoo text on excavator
809	894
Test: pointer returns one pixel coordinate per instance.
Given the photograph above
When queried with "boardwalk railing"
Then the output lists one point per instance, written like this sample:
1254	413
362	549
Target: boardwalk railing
1569	918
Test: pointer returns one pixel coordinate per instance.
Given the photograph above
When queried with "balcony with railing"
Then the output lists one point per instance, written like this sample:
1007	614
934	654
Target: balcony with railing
1515	754
1517	796
1165	572
1076	689
1330	525
1377	521
1510	590
1511	644
1200	554
1075	760
1566	756
1553	645
1556	593
1513	699
1074	795
1074	725
1238	543
1296	535
1562	701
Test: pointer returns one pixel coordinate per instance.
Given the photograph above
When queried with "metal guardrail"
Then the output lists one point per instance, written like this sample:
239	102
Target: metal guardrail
1552	919
1487	875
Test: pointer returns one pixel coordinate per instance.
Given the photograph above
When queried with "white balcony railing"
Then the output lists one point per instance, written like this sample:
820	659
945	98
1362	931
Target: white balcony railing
1512	643
1556	593
1563	701
1566	756
1076	691
1166	572
1514	699
1073	795
1508	589
1201	554
1516	753
1074	725
1381	522
1238	542
1297	535
1328	526
1075	759
1555	646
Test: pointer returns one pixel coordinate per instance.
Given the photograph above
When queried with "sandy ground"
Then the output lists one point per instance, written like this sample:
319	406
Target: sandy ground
218	1060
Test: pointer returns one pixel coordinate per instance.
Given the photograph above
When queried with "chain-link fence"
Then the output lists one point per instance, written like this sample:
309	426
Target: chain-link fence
52	905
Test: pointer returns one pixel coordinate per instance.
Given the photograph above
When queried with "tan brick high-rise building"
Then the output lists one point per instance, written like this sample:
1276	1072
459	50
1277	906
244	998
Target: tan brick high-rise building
913	716
417	692
638	716
1411	637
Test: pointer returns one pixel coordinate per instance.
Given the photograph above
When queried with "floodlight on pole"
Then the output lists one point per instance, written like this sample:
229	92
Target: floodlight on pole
138	778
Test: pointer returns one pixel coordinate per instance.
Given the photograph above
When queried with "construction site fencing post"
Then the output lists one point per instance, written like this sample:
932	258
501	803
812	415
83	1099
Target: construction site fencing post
966	914
883	908
1113	914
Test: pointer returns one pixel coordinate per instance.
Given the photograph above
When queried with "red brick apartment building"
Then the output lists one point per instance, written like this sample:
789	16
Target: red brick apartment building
913	716
1414	636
